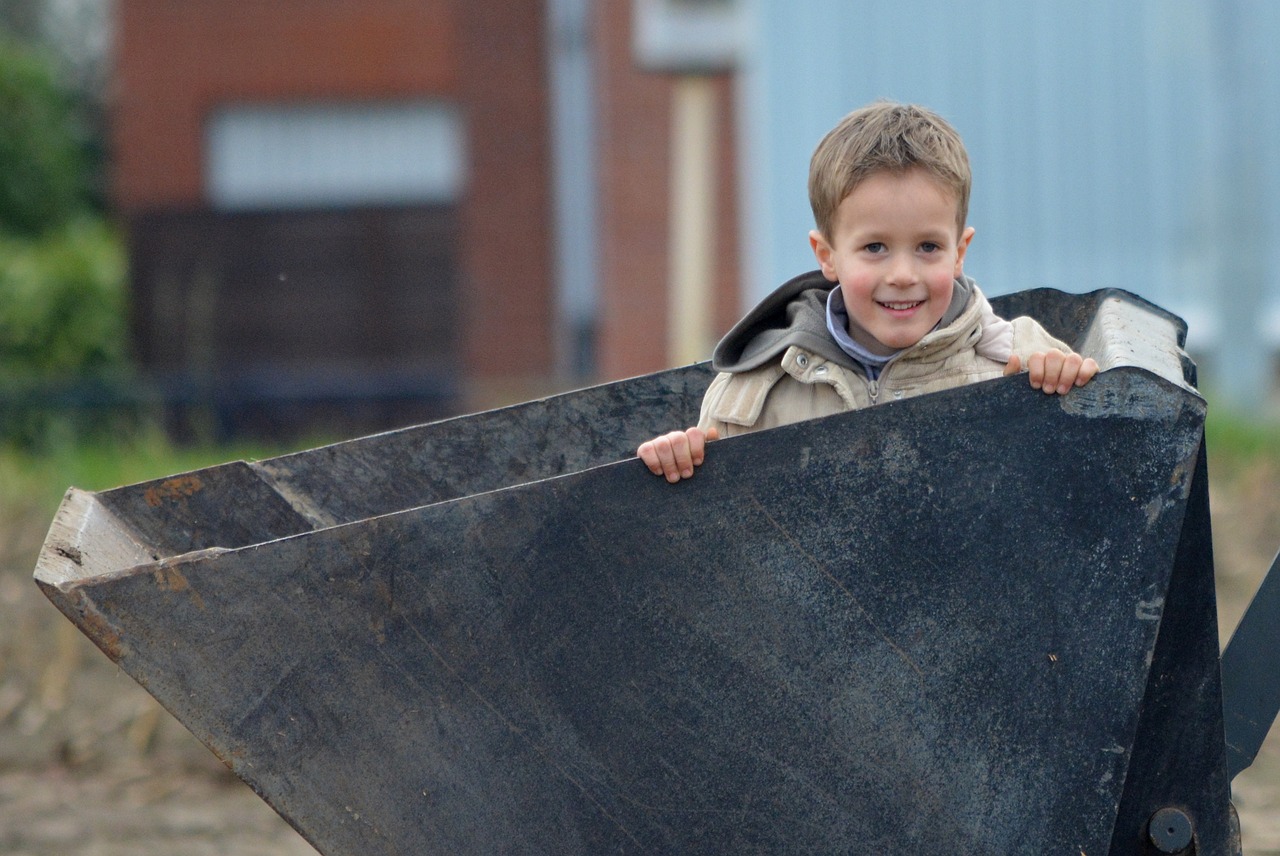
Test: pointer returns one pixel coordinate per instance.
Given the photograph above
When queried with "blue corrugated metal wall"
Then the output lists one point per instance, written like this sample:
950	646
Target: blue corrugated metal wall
1113	144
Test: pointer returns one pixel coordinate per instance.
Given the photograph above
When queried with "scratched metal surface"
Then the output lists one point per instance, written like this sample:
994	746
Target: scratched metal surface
1180	744
897	630
237	504
922	627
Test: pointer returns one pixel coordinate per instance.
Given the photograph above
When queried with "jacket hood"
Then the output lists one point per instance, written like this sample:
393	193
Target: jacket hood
796	314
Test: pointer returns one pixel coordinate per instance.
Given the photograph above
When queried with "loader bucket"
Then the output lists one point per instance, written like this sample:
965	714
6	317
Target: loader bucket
978	621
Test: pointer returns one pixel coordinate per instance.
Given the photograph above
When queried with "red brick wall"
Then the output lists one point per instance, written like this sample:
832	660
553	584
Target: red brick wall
728	304
635	160
178	59
507	222
634	122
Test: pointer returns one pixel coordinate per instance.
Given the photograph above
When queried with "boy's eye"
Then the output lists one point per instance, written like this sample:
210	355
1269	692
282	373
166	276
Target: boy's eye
929	247
875	247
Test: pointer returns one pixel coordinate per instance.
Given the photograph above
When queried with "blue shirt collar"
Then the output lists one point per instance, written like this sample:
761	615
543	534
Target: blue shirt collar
838	327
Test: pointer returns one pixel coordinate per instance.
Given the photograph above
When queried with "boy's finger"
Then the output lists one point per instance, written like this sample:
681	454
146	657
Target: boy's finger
647	453
1070	373
666	456
1088	369
676	453
684	450
1035	368
1013	366
1053	362
697	446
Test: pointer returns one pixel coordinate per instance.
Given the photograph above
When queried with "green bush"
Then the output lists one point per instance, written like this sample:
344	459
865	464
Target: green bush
1237	442
63	330
63	335
62	303
46	154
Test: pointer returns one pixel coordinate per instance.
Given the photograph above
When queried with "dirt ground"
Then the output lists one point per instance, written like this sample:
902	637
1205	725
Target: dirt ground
91	766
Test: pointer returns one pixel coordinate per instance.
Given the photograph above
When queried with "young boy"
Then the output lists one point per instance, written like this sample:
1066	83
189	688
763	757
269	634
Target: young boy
889	315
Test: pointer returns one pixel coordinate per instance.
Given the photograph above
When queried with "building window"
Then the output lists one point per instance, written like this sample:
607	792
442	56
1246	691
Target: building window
324	155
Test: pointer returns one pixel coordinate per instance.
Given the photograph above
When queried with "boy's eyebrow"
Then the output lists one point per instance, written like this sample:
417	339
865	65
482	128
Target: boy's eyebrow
933	233
873	233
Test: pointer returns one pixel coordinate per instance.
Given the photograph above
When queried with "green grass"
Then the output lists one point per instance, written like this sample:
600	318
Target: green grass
1237	442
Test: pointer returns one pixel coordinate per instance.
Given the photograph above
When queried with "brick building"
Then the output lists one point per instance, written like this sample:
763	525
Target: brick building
347	212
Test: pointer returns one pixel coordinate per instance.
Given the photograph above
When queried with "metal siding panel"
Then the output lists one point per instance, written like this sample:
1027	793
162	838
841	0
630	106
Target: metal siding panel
789	106
1097	134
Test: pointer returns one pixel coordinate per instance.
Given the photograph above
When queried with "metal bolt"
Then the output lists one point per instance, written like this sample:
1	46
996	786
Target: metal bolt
1170	830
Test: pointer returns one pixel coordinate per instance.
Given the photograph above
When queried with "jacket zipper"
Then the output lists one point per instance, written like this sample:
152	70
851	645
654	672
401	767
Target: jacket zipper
873	385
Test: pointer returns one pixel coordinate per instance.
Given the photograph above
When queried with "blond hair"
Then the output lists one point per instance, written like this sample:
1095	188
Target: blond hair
886	136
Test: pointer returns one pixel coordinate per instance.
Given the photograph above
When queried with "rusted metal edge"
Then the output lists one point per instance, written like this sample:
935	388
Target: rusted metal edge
87	544
86	540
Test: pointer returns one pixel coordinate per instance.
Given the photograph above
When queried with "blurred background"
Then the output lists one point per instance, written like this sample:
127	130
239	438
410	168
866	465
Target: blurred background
231	228
259	220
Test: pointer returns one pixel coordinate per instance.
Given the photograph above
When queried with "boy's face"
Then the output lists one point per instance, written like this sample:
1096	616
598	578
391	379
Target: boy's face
895	250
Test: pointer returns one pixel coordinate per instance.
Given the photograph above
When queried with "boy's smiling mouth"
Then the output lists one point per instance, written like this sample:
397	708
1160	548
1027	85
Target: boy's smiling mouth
901	306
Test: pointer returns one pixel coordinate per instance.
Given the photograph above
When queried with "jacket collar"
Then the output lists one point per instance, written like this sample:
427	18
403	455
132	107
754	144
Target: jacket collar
795	314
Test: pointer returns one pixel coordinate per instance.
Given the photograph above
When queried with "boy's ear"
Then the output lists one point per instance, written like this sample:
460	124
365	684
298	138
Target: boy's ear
962	247
823	252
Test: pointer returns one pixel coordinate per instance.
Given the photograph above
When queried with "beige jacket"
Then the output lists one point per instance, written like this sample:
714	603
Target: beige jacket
803	384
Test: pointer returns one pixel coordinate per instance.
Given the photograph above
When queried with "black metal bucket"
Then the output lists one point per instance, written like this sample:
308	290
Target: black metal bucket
979	621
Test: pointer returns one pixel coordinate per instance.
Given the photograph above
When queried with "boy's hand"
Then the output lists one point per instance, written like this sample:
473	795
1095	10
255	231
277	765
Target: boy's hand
674	455
1054	371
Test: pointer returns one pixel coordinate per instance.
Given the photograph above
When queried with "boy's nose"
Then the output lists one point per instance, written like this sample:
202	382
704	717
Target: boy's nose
902	271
